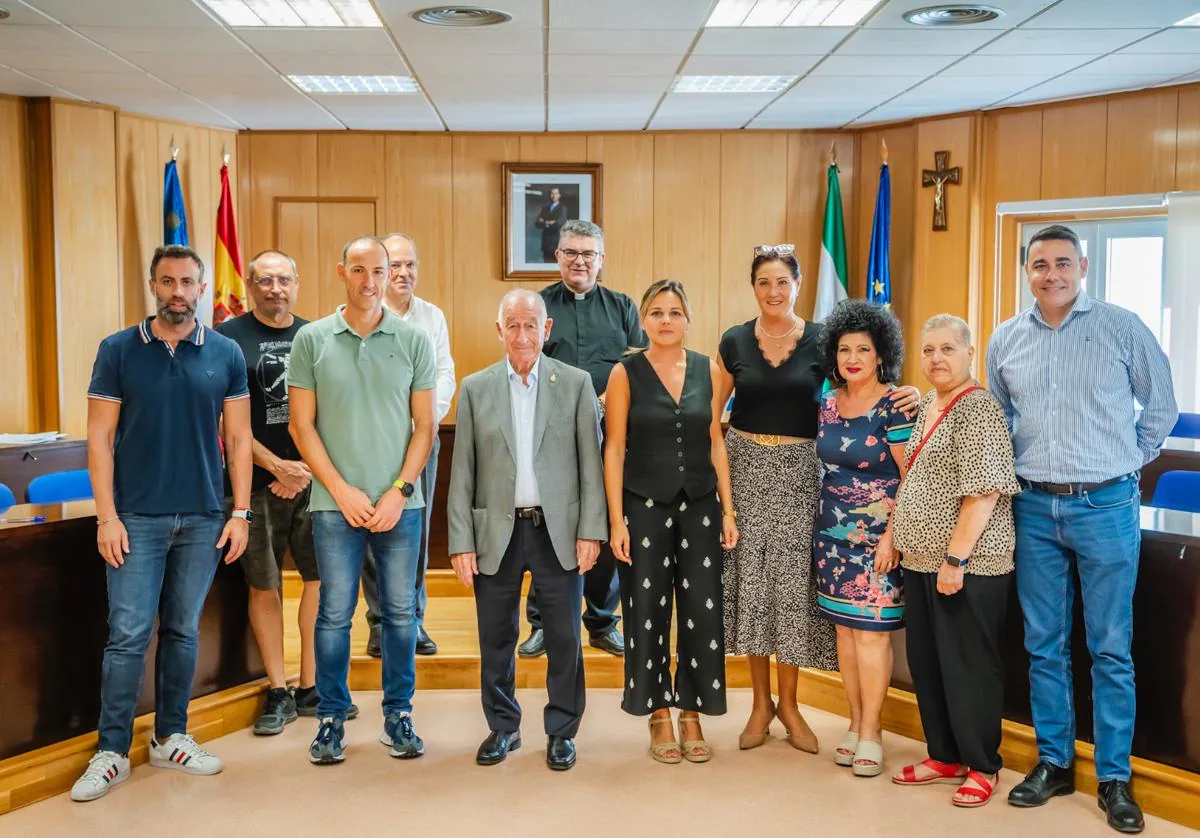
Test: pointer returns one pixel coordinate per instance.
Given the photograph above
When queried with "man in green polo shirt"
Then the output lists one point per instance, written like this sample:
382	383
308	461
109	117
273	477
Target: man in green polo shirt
361	388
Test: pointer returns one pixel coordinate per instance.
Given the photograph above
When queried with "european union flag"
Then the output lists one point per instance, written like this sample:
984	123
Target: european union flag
174	215
879	273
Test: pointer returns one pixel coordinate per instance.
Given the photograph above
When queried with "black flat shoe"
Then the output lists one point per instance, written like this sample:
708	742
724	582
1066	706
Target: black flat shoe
496	747
1046	780
1124	815
534	646
374	647
611	642
425	644
560	753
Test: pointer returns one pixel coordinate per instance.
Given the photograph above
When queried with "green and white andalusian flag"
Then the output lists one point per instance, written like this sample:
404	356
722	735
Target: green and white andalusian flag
831	278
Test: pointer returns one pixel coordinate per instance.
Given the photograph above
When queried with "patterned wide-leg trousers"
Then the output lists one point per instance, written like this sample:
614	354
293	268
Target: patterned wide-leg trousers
676	554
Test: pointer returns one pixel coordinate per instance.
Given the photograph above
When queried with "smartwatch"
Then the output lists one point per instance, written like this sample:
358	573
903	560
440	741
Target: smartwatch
955	561
245	514
406	489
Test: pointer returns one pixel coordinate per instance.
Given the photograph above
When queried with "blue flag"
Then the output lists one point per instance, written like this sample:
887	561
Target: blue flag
879	273
174	215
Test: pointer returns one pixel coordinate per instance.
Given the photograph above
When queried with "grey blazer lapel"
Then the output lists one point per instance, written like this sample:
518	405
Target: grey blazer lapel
503	398
547	395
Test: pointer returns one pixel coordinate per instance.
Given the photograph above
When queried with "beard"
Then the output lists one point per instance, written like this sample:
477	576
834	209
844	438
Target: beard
175	317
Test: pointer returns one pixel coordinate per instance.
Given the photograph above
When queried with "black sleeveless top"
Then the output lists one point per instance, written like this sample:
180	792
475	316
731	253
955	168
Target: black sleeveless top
667	445
774	400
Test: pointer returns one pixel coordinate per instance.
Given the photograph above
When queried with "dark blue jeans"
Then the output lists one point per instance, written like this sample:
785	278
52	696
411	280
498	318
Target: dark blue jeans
169	568
1097	534
340	551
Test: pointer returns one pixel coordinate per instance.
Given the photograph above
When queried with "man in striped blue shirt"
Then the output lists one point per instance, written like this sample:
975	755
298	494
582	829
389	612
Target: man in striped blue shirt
1067	372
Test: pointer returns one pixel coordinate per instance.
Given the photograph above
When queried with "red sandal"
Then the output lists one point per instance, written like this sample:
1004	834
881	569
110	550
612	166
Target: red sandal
947	772
979	796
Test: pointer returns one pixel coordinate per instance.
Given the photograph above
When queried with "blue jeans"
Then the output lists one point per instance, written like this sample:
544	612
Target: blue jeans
340	551
169	568
1098	534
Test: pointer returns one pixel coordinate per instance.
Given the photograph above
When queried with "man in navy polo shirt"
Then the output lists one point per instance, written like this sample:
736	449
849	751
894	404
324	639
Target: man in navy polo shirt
158	395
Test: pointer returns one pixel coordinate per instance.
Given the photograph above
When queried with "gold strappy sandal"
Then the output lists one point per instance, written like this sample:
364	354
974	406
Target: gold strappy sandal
666	752
694	750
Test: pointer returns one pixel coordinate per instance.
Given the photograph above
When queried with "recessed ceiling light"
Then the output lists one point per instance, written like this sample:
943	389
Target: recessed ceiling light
296	13
732	84
790	12
356	85
955	15
461	16
1193	20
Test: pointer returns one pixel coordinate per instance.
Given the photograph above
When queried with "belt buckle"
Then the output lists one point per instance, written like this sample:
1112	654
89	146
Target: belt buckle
1055	489
770	440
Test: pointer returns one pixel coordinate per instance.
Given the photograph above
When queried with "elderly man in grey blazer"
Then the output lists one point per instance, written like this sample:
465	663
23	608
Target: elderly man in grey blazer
527	493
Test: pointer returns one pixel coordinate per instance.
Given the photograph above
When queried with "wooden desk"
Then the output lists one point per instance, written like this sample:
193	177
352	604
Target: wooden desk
54	624
19	464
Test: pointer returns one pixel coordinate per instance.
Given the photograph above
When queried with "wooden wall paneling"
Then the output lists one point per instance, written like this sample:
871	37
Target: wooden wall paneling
350	164
476	265
1074	147
245	185
139	217
552	148
1187	148
687	228
754	204
419	201
88	275
199	196
43	287
285	165
18	412
804	194
1142	133
297	222
628	174
337	223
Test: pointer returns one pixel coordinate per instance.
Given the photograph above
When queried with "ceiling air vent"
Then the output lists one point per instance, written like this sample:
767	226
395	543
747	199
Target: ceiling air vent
461	16
955	15
3	14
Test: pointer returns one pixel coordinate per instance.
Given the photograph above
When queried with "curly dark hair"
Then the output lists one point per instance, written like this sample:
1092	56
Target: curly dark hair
852	316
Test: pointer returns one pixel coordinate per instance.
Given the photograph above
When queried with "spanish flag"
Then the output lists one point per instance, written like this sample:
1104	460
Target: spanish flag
229	291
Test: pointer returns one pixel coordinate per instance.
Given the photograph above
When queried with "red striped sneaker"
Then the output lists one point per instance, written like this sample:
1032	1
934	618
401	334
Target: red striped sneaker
182	752
105	770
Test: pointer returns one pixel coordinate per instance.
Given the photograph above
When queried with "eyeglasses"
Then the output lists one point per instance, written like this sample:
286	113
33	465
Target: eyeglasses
775	250
589	256
266	280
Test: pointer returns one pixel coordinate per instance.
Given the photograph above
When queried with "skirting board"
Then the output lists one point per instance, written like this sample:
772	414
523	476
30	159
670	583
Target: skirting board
37	775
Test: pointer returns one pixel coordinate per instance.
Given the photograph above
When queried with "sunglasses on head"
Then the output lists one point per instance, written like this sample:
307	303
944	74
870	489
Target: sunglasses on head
775	250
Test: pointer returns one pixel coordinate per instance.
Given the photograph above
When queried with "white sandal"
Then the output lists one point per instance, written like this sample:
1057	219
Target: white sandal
868	759
844	754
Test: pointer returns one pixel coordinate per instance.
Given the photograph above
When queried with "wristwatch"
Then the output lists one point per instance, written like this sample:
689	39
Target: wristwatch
245	514
955	561
406	489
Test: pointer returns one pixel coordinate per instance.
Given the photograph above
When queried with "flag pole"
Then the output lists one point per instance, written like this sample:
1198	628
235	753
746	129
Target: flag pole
883	150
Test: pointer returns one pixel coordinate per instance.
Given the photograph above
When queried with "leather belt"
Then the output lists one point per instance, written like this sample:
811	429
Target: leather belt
531	513
1064	489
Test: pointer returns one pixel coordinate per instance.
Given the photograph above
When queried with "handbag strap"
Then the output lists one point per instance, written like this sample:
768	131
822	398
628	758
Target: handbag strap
937	422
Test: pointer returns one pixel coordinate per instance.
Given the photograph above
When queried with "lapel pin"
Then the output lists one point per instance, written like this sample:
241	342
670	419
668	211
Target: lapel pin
553	377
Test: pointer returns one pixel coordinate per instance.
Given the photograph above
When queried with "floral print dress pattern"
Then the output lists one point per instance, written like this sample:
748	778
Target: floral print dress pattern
858	491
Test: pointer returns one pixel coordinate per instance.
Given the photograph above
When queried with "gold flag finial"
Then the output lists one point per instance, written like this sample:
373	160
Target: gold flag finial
174	149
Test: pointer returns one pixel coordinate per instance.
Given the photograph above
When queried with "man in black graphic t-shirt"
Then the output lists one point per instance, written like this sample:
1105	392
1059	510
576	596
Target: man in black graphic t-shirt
279	491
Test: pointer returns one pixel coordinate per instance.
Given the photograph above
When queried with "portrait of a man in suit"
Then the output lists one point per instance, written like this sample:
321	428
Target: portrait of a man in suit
550	220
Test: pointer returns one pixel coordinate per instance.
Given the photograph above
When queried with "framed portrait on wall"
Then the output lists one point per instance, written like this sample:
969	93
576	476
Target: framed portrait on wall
538	199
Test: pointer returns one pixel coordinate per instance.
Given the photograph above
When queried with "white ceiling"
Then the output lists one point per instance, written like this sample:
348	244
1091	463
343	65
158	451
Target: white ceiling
564	65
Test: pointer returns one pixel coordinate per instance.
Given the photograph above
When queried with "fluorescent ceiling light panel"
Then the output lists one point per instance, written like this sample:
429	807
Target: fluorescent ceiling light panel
790	12
1193	20
732	84
353	85
296	13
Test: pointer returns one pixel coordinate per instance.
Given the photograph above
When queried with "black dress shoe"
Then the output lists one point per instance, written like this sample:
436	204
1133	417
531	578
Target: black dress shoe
496	747
535	646
1046	780
425	644
374	648
611	641
1124	815
560	753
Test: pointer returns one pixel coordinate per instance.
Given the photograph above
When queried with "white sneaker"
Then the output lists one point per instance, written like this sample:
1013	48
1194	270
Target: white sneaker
105	770
182	752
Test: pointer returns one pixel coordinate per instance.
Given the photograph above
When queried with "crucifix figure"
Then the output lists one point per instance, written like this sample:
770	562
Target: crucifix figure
938	177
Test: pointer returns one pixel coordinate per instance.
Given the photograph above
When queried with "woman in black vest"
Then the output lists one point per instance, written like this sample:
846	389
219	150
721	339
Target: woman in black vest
671	513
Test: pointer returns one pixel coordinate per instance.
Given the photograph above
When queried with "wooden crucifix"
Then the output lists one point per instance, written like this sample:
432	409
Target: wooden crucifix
938	177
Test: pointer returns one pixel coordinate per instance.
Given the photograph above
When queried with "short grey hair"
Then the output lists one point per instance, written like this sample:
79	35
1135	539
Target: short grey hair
952	322
384	238
253	269
585	229
357	239
522	294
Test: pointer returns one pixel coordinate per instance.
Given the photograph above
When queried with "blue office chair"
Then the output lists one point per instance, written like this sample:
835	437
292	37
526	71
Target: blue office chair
7	498
1178	490
1188	426
59	487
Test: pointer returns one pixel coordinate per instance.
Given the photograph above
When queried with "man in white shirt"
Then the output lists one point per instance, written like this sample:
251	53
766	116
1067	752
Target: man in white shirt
402	299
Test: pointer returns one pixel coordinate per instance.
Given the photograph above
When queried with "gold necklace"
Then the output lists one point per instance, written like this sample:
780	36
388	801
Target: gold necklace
777	338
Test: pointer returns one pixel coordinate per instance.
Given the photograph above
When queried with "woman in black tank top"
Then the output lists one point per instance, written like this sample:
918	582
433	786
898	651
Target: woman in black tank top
670	514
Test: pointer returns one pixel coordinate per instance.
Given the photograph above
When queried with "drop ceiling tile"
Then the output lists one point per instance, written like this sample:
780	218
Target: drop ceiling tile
1114	14
326	63
124	13
596	114
479	67
397	14
803	119
481	117
568	88
618	14
96	86
889	114
786	40
1038	42
22	15
1178	40
962	93
491	85
259	84
207	40
607	65
398	113
709	110
270	115
1130	64
857	88
749	65
49	38
18	84
462	45
87	60
618	42
1072	85
881	65
1044	66
170	105
307	41
169	66
915	41
891	15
